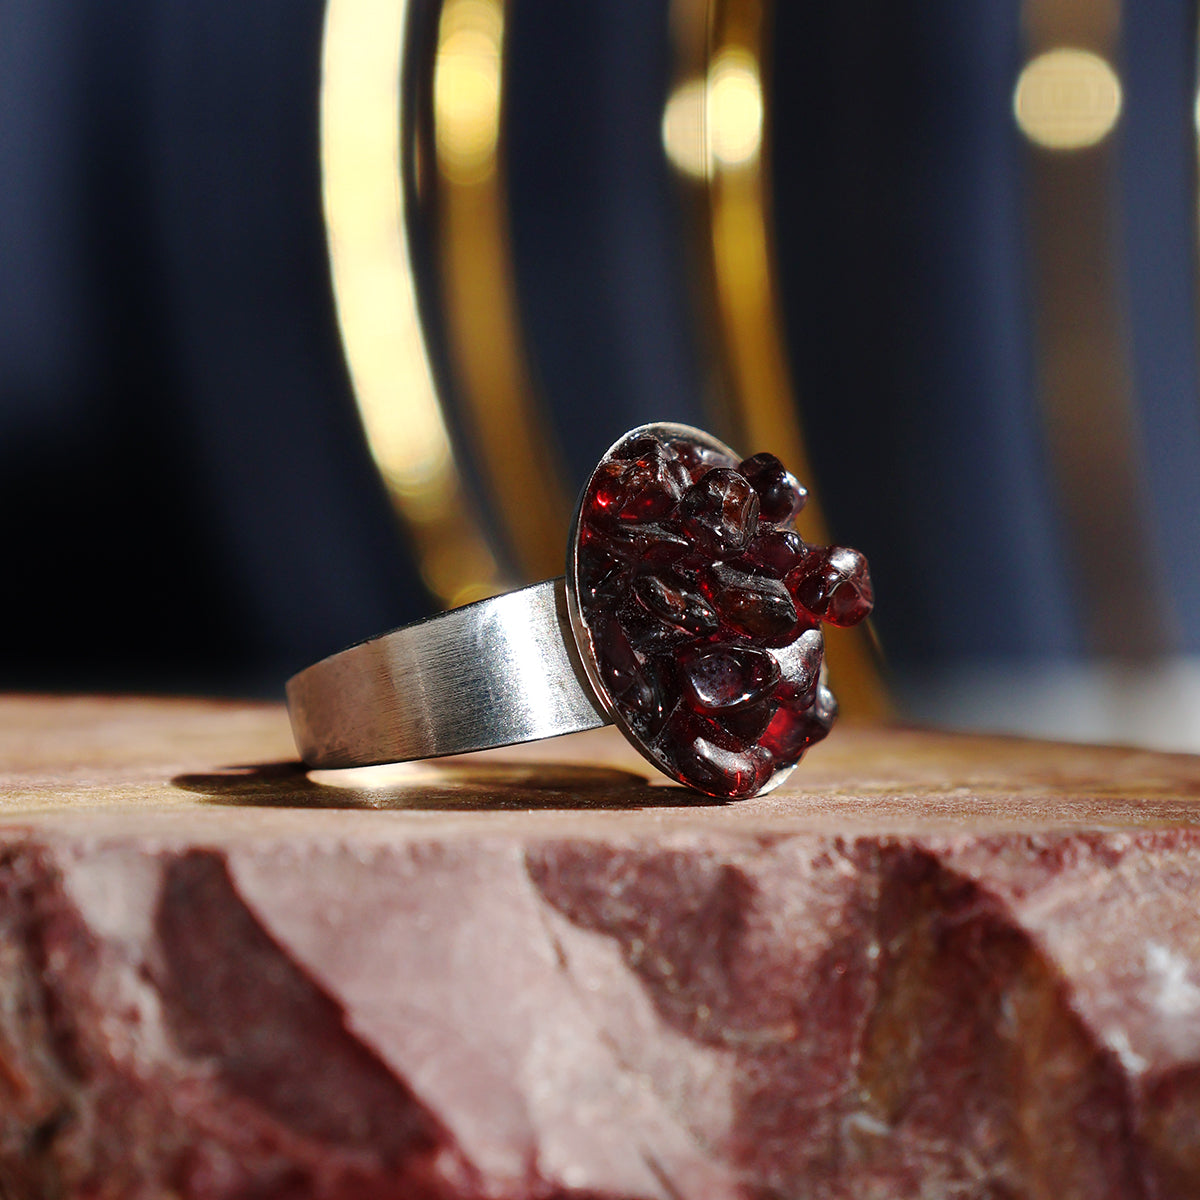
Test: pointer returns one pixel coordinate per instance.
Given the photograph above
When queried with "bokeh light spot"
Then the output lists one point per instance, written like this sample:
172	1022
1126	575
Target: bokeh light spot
1067	99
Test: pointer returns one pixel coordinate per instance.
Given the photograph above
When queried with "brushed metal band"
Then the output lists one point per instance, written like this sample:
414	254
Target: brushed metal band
492	673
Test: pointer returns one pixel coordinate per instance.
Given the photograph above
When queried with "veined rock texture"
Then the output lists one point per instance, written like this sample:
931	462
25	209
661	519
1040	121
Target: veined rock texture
929	966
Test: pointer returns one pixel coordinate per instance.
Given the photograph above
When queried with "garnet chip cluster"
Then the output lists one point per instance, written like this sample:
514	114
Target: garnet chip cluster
704	607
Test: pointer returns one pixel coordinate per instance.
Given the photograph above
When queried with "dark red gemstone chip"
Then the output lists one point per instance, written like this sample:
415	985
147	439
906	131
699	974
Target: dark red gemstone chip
719	513
724	677
703	609
780	497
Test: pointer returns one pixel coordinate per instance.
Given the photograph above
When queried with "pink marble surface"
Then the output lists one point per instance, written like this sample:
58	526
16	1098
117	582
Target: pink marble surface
931	966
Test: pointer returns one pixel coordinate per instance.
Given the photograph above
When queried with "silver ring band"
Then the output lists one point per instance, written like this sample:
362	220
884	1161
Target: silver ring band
689	616
492	673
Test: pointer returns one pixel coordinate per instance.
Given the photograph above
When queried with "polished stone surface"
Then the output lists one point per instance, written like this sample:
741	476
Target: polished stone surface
927	966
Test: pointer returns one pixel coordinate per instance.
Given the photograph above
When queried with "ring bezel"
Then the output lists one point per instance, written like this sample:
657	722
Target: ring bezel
664	431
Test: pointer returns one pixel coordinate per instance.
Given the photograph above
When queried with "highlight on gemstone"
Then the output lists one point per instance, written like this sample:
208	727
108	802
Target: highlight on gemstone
703	607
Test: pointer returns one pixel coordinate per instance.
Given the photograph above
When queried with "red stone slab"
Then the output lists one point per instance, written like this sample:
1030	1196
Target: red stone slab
929	966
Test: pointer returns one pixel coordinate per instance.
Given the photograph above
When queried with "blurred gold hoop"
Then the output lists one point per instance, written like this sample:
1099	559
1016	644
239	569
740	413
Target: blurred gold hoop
418	143
717	131
429	151
366	197
502	417
1084	378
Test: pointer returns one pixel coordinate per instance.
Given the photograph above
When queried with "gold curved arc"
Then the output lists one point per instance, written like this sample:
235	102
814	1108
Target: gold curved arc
1083	356
501	413
721	47
375	291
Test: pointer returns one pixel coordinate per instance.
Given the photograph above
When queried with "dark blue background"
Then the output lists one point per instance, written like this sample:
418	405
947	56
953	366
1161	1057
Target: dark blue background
187	501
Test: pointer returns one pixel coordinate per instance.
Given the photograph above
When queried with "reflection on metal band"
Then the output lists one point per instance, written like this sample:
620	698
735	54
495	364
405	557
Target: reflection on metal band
375	288
1084	382
501	416
716	131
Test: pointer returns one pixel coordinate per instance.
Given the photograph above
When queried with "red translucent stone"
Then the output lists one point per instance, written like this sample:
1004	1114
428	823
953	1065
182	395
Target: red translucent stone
646	446
698	459
756	606
774	552
719	513
644	489
606	491
629	682
748	722
653	636
702	609
645	542
722	677
600	574
835	585
652	459
733	774
668	597
706	754
780	497
794	728
800	665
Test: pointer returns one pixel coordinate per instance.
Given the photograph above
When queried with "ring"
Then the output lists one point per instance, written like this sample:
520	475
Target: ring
689	616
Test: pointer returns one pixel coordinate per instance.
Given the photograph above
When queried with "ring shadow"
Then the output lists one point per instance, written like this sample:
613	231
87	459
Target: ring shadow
438	785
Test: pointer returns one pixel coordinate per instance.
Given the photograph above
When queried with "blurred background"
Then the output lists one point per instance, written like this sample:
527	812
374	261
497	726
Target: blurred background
314	317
